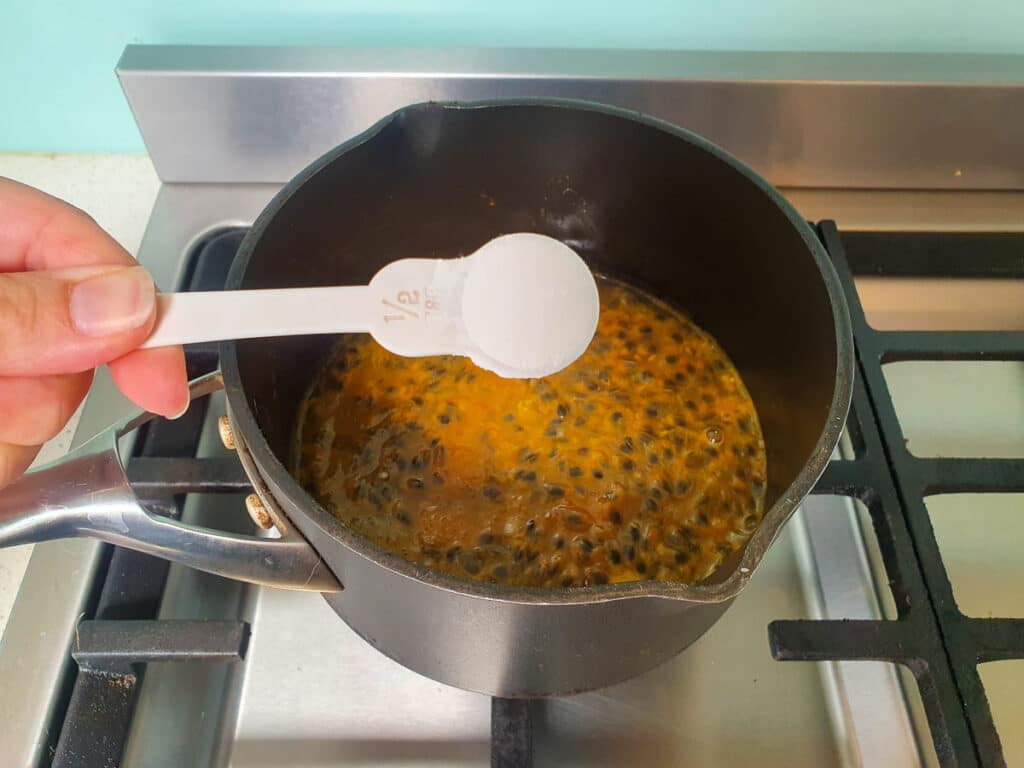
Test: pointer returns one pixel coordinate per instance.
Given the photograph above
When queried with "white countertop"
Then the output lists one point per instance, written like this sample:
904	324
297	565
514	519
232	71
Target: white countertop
118	192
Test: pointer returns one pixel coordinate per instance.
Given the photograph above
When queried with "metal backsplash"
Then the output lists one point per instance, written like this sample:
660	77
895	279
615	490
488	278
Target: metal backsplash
877	121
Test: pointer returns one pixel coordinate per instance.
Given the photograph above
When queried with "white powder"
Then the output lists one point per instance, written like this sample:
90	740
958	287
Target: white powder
529	306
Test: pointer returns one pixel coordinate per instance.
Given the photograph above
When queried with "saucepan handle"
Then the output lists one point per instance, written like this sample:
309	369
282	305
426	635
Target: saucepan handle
87	493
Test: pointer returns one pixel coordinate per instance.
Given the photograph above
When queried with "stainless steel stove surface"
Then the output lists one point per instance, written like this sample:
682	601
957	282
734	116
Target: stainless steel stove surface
309	692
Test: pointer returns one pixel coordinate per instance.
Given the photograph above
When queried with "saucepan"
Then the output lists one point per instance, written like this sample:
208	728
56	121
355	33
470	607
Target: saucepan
641	200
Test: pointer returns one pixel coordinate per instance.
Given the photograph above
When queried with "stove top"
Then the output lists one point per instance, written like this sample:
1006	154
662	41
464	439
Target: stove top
124	660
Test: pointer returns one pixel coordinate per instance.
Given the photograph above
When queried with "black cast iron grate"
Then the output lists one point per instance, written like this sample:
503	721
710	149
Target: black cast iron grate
121	633
931	637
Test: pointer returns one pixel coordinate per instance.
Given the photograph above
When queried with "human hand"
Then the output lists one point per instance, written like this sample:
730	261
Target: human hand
71	299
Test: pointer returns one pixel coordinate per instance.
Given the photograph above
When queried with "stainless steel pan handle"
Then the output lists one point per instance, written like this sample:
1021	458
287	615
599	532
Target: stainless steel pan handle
87	493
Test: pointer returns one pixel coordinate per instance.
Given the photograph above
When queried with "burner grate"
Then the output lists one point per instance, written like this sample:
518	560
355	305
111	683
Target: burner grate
121	633
930	636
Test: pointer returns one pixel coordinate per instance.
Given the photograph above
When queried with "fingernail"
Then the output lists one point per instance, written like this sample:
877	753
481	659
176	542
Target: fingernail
113	302
181	413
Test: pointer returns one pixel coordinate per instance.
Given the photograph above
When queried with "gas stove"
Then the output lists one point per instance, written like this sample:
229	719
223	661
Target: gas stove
121	659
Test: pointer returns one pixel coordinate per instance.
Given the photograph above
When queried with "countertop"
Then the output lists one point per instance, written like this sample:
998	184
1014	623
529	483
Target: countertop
118	192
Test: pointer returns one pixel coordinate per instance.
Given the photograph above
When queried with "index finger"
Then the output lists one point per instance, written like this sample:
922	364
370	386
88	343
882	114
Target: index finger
38	231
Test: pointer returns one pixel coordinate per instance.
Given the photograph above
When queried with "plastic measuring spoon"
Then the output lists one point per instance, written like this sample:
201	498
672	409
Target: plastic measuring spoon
523	306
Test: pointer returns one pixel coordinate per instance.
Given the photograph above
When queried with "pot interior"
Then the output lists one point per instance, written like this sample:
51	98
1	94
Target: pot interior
655	208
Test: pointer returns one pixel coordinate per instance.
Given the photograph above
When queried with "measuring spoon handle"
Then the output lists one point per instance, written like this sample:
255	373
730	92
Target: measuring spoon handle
189	318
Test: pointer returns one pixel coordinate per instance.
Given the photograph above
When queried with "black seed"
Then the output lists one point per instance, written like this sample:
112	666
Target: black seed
744	425
693	461
586	545
627	464
443	418
599	577
682	487
615	517
486	538
677	338
555	491
575	472
598	474
616	416
614	556
656	493
415	461
583	451
530	525
702	519
575	521
712	452
671	359
592	386
559	541
562	411
509	417
719	365
580	421
554	452
631	553
691	368
627	445
470	562
547	397
645	329
528	477
678	377
451	553
531	457
682	557
650	505
631	346
634	532
652	413
492	493
414	482
417	400
652	458
646	376
641	566
667	454
750	450
691	405
403	518
550	432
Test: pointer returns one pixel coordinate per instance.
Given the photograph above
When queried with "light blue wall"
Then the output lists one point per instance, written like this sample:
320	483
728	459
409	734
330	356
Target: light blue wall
58	91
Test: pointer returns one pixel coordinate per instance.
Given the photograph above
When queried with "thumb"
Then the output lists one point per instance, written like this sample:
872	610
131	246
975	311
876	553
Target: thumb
71	320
